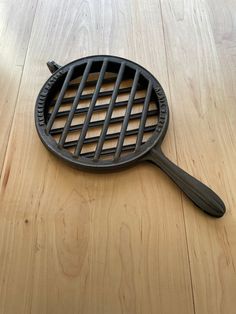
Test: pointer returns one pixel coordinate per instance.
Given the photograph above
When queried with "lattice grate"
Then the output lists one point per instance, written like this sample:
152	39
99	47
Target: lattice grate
101	110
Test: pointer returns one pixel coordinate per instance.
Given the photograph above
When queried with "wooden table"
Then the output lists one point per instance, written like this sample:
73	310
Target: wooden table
127	242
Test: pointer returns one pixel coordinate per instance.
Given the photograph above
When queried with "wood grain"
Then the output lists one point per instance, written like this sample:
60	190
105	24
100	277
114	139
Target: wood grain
15	32
125	242
204	119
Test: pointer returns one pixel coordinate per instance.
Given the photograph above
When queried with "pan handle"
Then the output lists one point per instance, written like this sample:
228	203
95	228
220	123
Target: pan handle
199	193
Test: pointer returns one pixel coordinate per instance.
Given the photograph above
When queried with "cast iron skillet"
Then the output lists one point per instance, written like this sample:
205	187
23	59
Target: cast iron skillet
91	89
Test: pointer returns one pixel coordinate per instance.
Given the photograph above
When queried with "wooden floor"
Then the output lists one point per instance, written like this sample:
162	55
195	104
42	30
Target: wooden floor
127	242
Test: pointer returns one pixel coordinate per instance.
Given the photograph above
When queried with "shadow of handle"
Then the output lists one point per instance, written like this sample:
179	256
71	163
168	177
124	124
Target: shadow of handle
199	193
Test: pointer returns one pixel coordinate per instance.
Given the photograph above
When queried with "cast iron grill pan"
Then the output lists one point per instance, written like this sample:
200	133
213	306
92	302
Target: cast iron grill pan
104	113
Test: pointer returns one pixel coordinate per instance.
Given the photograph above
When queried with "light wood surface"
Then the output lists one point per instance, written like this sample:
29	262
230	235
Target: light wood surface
15	30
126	242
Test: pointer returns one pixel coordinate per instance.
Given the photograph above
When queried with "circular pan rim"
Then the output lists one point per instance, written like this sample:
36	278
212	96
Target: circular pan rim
88	163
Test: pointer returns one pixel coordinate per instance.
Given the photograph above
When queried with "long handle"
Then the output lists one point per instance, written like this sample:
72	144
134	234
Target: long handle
198	192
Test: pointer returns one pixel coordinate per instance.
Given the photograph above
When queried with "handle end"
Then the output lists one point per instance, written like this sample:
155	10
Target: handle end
219	208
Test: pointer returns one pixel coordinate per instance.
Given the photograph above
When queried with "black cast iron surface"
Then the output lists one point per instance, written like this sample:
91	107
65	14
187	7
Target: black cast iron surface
81	102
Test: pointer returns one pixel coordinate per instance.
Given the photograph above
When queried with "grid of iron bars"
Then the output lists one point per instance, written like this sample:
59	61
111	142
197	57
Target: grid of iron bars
114	152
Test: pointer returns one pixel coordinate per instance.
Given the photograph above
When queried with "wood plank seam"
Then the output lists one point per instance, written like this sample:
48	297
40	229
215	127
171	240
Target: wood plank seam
177	158
17	96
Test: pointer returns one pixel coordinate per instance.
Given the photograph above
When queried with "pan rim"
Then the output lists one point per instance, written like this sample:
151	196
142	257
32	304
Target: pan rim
87	163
